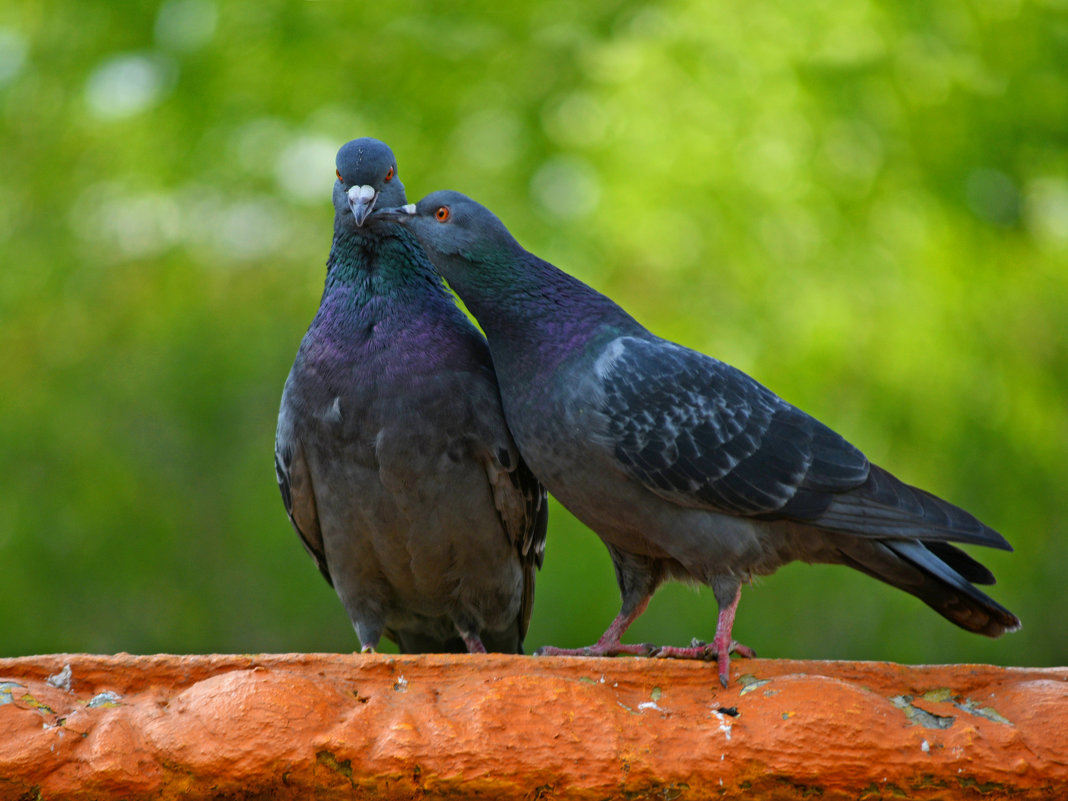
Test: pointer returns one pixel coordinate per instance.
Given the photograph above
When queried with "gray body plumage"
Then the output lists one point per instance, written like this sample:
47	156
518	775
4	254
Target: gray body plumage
393	457
686	467
698	473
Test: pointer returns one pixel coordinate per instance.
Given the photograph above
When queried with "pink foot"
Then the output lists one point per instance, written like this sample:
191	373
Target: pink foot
697	650
600	648
609	644
474	645
721	646
742	650
708	652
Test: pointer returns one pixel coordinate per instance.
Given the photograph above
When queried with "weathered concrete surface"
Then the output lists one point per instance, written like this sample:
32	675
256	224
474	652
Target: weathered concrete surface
505	727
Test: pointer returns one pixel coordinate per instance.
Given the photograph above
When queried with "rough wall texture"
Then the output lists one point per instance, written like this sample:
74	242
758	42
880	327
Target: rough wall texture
505	727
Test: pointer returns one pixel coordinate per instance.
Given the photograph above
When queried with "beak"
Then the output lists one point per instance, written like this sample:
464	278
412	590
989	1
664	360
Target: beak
397	213
361	201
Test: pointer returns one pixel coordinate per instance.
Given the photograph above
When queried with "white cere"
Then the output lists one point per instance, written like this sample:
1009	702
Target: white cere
361	193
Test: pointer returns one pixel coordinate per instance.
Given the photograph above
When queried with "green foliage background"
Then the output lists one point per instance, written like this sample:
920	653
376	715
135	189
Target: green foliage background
863	205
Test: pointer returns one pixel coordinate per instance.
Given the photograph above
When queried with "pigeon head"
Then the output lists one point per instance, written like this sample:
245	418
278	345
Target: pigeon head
366	176
459	235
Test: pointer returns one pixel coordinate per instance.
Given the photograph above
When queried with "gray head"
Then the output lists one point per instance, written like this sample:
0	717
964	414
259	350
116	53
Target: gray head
366	176
456	232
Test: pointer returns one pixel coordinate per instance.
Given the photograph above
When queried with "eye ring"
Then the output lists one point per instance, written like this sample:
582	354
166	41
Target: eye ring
338	174
442	214
389	174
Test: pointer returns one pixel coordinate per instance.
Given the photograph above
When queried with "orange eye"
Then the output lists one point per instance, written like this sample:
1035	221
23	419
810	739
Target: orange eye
389	175
338	173
442	214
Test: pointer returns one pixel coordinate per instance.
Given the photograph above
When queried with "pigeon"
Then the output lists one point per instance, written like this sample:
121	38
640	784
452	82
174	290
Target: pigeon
393	457
686	467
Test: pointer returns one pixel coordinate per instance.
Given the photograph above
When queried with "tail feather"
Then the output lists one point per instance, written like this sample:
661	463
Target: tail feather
958	560
937	574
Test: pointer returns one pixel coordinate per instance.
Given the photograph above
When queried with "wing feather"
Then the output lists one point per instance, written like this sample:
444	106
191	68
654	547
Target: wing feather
701	433
298	495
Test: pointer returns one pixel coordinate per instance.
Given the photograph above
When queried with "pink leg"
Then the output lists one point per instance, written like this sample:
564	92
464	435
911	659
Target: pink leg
474	644
609	644
721	646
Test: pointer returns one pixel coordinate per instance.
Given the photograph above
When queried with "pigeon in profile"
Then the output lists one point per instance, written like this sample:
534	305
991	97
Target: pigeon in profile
686	467
393	458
